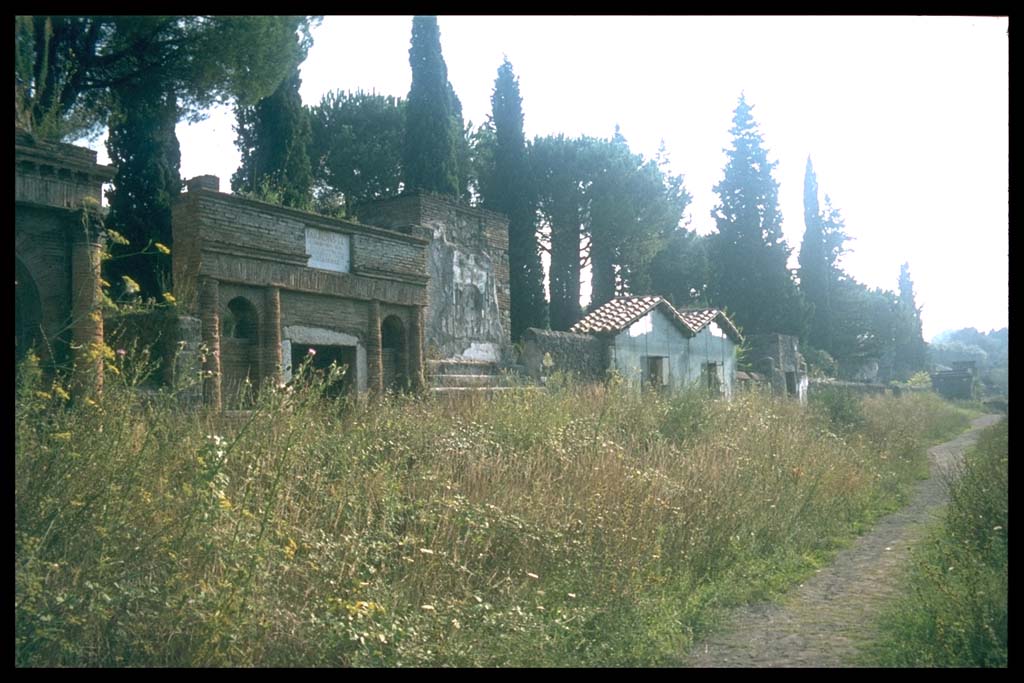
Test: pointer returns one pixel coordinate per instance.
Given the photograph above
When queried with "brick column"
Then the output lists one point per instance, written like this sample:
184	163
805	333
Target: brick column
374	363
209	316
415	350
271	335
86	316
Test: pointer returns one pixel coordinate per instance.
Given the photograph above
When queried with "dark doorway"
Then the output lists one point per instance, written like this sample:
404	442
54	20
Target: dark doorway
239	351
791	383
654	372
321	360
27	312
394	359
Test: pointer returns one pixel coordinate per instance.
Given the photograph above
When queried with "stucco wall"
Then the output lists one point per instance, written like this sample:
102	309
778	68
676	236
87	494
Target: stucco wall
656	335
467	315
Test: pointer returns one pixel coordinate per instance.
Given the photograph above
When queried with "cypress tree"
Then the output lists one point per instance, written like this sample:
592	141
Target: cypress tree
510	193
815	278
274	138
144	147
430	159
911	350
749	255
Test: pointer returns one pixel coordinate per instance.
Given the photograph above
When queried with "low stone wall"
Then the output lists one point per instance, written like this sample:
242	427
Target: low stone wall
815	386
582	355
172	342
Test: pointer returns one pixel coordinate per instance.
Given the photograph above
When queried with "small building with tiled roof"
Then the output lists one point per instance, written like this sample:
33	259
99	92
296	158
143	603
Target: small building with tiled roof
650	344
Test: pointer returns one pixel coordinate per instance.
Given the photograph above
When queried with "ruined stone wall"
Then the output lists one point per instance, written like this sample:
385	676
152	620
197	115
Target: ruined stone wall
467	316
775	355
238	240
172	343
582	355
311	282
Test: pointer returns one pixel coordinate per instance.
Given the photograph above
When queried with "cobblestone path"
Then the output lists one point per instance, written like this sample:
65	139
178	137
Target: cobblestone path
821	623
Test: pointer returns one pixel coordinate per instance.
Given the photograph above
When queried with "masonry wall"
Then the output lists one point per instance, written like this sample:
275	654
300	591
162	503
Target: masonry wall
170	342
467	316
584	356
252	242
774	355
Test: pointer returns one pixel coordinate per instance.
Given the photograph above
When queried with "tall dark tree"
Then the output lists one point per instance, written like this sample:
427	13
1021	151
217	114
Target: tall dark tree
749	255
911	350
274	138
508	190
71	71
143	144
430	158
142	74
680	270
815	271
561	202
357	149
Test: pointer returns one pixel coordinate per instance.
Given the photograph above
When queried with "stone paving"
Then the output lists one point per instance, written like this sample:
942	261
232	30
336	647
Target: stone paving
822	623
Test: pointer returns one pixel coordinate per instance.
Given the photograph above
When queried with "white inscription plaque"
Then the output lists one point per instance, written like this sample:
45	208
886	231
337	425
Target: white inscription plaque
327	250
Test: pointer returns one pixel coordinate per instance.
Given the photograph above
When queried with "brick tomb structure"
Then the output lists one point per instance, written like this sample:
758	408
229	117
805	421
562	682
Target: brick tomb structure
269	283
57	256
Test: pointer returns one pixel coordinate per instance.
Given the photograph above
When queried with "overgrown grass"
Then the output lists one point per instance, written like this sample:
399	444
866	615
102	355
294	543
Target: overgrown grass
954	611
580	526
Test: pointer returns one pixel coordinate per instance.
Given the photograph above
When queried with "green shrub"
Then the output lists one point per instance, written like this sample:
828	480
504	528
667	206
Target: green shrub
954	610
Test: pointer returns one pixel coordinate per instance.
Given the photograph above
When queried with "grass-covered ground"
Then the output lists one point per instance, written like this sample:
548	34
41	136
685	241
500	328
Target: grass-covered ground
954	611
574	526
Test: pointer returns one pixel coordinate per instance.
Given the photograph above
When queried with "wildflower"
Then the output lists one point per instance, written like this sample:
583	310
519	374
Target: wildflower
121	353
130	285
311	352
59	391
43	395
162	248
169	298
63	436
289	552
116	237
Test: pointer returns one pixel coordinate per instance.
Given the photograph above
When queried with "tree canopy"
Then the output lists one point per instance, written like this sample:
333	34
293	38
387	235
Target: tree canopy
749	272
357	149
505	186
431	158
72	71
274	137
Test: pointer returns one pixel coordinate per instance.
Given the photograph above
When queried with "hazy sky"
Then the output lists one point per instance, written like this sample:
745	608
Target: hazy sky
905	119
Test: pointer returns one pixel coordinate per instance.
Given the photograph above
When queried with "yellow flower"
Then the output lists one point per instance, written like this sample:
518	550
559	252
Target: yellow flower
169	298
162	248
289	550
130	285
116	237
63	436
59	391
43	395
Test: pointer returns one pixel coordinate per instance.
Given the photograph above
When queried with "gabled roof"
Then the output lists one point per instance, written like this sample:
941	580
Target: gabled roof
698	319
620	313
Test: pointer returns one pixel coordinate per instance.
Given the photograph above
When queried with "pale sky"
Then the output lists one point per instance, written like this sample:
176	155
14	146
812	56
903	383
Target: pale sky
906	120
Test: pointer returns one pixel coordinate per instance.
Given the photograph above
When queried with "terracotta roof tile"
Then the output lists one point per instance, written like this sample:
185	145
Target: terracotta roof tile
618	314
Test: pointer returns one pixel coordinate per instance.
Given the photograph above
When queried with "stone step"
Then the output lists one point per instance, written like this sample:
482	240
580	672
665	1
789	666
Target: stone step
454	392
448	380
462	367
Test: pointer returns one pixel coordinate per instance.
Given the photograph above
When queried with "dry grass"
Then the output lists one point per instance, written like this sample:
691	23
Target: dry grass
583	526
